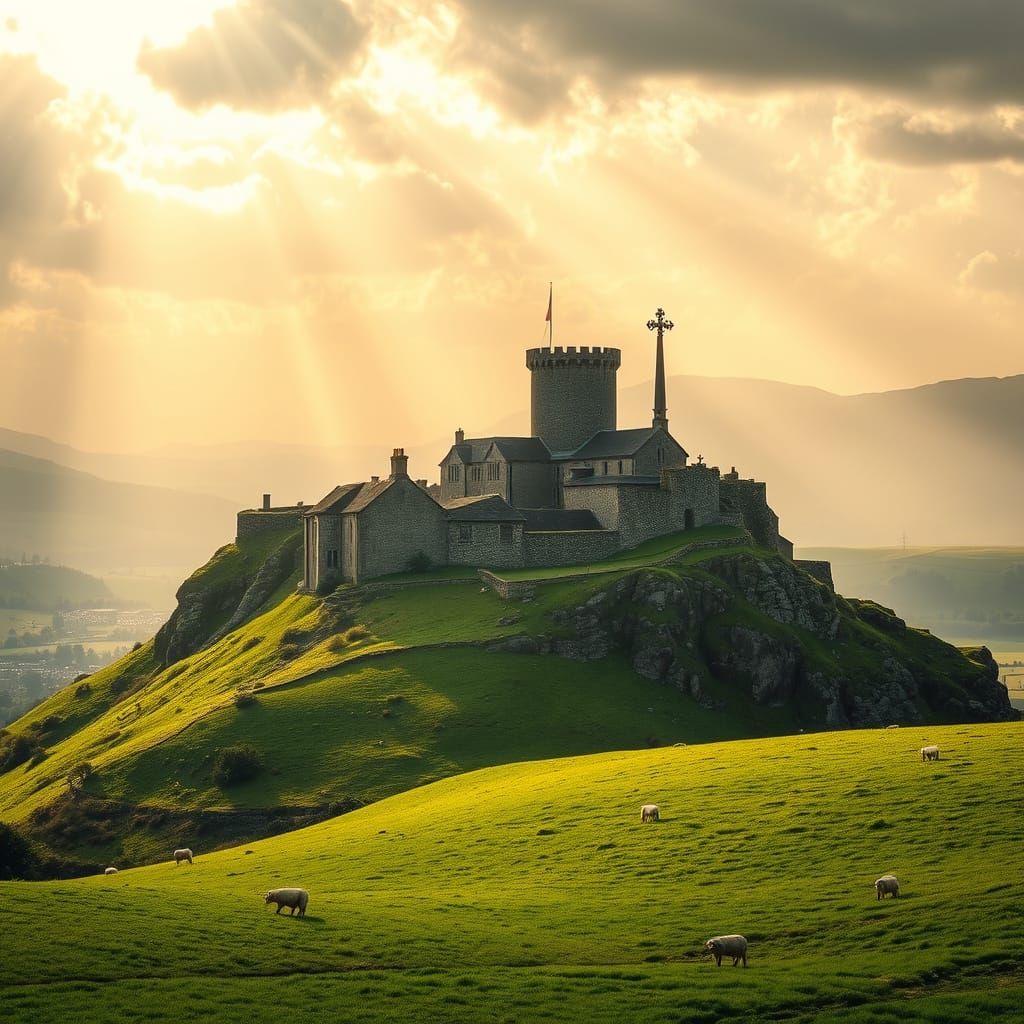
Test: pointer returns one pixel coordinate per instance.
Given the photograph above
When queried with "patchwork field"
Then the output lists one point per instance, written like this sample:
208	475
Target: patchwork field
532	892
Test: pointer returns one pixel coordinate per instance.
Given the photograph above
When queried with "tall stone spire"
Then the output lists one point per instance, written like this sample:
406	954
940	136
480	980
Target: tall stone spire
660	324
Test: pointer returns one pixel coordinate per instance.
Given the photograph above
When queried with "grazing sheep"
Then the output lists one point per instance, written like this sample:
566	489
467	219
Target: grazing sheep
180	855
887	885
728	945
892	727
650	812
110	871
929	753
294	898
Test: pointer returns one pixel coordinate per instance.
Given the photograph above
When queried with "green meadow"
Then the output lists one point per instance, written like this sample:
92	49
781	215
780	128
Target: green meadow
531	892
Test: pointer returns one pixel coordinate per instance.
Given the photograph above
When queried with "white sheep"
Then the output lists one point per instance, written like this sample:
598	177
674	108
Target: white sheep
728	945
180	855
110	871
892	727
930	753
294	898
650	812
887	885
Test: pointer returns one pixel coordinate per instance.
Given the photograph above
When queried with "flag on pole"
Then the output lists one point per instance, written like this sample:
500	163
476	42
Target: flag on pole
548	320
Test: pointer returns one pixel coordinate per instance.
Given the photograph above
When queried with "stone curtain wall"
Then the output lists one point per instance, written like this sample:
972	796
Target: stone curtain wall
570	547
750	498
601	499
695	487
821	571
485	546
253	521
645	512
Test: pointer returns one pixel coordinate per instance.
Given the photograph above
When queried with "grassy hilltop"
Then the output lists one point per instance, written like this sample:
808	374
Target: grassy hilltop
372	691
532	892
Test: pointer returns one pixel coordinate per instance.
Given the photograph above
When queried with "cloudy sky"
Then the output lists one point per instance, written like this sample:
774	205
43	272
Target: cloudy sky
328	221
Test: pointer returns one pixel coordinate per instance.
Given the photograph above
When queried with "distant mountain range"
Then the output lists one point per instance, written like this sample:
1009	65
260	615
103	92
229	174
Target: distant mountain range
939	464
80	520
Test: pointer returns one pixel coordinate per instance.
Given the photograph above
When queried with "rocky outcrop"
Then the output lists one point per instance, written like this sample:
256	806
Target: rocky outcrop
271	574
760	630
213	602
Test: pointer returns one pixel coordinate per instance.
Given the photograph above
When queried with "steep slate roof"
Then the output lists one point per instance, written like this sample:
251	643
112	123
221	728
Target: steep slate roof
482	508
522	449
543	520
612	479
513	449
336	500
350	497
611	444
368	493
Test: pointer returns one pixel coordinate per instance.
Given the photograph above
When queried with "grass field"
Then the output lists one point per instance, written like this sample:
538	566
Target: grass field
649	553
531	892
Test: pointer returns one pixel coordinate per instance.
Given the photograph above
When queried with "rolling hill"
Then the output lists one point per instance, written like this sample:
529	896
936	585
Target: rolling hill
377	689
531	892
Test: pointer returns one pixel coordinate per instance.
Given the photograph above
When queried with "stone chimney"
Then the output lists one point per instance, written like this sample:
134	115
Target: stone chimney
399	464
460	436
266	502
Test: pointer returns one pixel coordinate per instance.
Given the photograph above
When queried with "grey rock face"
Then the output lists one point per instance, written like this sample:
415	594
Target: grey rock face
667	625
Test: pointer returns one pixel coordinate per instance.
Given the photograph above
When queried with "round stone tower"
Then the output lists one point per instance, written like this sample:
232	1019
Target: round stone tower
572	393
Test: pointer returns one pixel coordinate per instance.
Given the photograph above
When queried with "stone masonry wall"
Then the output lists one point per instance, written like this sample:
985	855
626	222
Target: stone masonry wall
572	394
485	546
401	523
821	571
602	500
750	498
695	487
327	536
254	521
646	460
570	547
646	512
531	484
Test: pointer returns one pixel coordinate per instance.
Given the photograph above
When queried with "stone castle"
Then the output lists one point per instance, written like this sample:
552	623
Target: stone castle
574	492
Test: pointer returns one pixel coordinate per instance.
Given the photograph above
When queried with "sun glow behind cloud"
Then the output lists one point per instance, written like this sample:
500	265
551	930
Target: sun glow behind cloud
394	211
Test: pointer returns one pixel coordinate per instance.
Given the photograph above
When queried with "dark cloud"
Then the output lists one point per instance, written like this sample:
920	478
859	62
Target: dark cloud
262	54
963	51
902	138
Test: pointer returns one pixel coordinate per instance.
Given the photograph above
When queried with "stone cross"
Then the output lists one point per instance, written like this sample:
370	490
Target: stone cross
660	324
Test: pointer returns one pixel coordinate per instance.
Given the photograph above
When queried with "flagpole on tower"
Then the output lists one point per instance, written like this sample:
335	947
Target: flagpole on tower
550	319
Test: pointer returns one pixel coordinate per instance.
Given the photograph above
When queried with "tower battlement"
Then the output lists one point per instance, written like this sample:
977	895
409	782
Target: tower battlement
583	355
572	393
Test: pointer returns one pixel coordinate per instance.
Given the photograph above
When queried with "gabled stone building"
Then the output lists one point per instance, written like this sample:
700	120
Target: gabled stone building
575	491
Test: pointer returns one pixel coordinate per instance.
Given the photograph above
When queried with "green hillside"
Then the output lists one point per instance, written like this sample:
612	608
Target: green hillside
374	690
531	892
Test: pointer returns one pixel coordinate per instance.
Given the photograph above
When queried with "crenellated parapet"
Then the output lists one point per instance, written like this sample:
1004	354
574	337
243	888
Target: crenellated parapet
584	355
